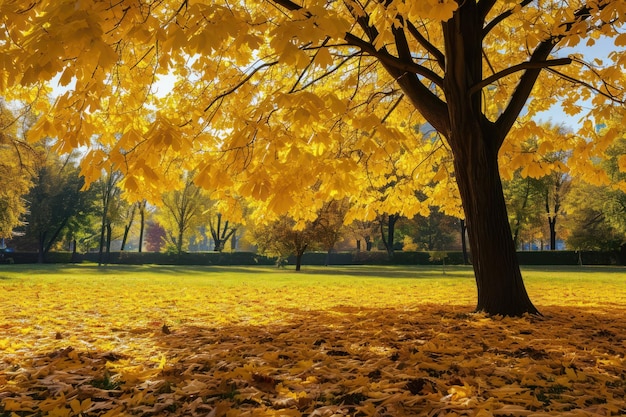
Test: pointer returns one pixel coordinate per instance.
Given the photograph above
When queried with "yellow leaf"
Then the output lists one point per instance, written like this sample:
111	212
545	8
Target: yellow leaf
75	405
323	58
21	404
441	174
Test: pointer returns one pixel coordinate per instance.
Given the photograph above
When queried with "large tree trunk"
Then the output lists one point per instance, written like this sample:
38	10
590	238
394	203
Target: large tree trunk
501	290
475	142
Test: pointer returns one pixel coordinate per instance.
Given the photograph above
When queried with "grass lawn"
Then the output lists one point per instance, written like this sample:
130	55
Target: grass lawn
386	341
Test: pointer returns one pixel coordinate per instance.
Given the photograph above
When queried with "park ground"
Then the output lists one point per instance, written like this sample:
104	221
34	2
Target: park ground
338	341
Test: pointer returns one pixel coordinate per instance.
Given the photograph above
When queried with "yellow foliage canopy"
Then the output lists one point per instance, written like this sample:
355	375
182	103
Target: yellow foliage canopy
286	102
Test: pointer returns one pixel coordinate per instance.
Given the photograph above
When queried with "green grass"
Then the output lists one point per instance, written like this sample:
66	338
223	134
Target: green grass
551	285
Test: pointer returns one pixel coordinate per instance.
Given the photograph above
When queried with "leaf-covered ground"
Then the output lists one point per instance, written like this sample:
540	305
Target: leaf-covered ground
327	342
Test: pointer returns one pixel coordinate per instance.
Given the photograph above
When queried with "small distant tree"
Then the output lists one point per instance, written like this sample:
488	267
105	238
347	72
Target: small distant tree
221	231
155	237
523	203
181	212
141	206
129	215
589	227
437	256
329	225
408	244
53	201
437	231
362	231
283	238
109	193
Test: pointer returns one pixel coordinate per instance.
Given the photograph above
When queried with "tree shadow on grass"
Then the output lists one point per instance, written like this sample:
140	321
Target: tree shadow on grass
429	360
394	272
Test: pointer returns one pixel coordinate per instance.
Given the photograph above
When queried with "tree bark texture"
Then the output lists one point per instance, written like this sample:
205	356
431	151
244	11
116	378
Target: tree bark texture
498	278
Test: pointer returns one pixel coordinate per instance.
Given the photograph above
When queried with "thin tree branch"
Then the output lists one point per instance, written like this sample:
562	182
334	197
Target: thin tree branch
304	71
519	67
498	19
522	91
586	85
288	4
238	85
436	53
369	48
332	70
392	108
391	61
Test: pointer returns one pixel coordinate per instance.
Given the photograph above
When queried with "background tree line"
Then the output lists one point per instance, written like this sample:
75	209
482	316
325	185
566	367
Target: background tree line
45	206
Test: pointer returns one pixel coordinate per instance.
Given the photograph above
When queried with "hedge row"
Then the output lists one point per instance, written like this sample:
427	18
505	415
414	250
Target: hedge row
319	258
456	258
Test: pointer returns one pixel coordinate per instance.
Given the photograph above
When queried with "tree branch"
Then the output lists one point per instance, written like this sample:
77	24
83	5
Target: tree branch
436	53
288	4
242	82
519	67
484	7
523	90
366	46
498	19
528	79
391	61
587	85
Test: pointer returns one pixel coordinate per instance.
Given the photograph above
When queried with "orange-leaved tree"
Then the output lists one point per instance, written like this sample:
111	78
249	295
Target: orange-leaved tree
286	101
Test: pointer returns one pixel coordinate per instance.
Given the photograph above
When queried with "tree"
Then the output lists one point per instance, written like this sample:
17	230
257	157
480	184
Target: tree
54	200
220	232
555	186
388	236
109	193
436	232
587	222
330	225
141	205
523	204
615	203
181	211
284	237
261	85
362	231
130	211
155	237
596	214
535	192
16	160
